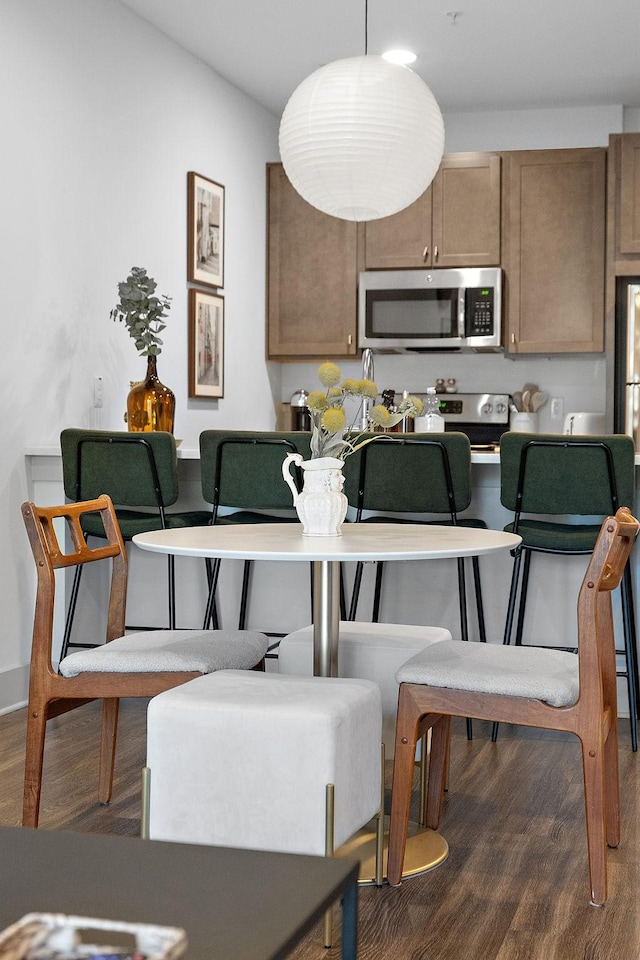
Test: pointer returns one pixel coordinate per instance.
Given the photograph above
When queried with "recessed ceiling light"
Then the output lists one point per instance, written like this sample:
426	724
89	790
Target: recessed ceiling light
399	56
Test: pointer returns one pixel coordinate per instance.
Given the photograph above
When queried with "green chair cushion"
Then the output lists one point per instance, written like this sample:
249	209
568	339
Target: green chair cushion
246	516
556	537
443	522
135	521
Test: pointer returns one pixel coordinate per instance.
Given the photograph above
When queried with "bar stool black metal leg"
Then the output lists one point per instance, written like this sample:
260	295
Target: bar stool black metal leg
378	592
73	599
464	623
631	654
462	598
626	589
523	596
513	593
508	626
171	570
211	610
343	595
244	596
479	604
357	581
214	616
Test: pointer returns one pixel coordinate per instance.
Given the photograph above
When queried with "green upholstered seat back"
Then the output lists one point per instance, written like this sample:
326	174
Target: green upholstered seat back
118	463
566	475
250	467
405	473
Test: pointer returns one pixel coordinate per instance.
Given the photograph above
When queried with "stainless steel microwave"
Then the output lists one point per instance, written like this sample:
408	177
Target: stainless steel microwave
420	310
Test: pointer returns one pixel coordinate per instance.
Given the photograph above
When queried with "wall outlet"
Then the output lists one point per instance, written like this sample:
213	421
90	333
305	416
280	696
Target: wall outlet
557	408
98	391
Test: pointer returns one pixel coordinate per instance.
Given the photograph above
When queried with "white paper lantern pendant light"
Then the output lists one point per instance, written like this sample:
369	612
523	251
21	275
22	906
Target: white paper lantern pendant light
361	138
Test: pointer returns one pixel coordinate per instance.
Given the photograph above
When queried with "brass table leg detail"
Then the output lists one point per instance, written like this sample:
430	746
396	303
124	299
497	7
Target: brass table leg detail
426	849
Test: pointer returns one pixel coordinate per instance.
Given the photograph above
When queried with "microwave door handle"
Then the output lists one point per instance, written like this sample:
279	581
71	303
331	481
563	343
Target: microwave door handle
461	302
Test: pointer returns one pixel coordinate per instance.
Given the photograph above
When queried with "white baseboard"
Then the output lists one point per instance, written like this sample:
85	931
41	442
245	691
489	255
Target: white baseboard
14	688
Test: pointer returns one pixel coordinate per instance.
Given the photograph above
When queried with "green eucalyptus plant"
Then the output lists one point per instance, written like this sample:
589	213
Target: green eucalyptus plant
142	313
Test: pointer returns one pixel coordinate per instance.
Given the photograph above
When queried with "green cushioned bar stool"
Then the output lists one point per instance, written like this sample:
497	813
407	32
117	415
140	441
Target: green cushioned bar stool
241	471
139	471
429	476
559	489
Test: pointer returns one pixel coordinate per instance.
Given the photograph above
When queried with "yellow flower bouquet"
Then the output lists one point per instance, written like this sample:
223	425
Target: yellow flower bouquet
330	435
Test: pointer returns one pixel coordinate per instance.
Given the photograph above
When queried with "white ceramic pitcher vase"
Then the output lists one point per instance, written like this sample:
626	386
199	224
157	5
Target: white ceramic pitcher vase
321	506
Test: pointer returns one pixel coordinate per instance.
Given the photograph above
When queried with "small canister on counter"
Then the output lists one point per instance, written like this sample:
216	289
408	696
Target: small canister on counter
300	416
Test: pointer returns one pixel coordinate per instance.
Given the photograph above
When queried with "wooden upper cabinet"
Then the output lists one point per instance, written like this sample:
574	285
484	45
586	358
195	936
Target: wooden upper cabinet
554	250
403	240
312	276
466	211
455	223
624	204
630	194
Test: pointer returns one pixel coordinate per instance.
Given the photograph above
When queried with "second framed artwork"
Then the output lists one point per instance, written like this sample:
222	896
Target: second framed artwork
205	231
206	344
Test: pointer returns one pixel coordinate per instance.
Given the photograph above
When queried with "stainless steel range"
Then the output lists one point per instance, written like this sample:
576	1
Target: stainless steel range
484	417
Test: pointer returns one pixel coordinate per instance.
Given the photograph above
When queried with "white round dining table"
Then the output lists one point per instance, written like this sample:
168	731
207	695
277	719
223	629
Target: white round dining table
358	541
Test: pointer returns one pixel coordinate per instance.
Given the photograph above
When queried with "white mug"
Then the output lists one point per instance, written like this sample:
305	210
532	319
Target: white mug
523	422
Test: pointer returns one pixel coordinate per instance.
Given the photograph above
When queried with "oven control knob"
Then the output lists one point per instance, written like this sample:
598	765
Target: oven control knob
487	410
501	407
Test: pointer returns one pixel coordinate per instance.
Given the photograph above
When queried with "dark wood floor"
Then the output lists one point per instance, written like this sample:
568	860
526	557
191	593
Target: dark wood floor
514	887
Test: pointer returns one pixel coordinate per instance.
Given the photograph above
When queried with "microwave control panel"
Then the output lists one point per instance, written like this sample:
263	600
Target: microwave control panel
478	311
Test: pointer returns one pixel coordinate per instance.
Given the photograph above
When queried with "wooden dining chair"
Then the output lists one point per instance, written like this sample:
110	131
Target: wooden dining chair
533	686
137	665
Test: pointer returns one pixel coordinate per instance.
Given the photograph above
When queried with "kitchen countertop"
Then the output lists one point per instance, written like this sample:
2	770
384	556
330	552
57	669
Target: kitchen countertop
186	453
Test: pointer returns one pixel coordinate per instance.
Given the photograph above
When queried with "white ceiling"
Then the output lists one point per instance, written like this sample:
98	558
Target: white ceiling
499	54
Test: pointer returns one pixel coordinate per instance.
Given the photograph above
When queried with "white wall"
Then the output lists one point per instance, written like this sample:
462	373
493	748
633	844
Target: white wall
532	129
101	118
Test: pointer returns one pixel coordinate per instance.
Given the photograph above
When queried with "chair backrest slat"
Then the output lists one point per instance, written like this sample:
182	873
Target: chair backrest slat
566	475
243	469
53	550
409	473
134	469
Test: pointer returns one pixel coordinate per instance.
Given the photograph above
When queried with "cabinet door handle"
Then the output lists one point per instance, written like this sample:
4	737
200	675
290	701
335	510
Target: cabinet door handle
349	340
513	338
435	253
425	253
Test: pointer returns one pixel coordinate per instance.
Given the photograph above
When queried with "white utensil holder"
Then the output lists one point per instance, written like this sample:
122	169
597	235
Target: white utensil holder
523	422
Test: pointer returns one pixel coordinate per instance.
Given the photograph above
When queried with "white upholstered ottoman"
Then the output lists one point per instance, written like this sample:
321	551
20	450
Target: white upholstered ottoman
370	651
242	759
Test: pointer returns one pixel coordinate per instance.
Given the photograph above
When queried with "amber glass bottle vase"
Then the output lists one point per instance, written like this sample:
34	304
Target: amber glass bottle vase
150	405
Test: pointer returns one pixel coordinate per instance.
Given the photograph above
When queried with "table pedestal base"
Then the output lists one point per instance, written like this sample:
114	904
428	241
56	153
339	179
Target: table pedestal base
426	849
